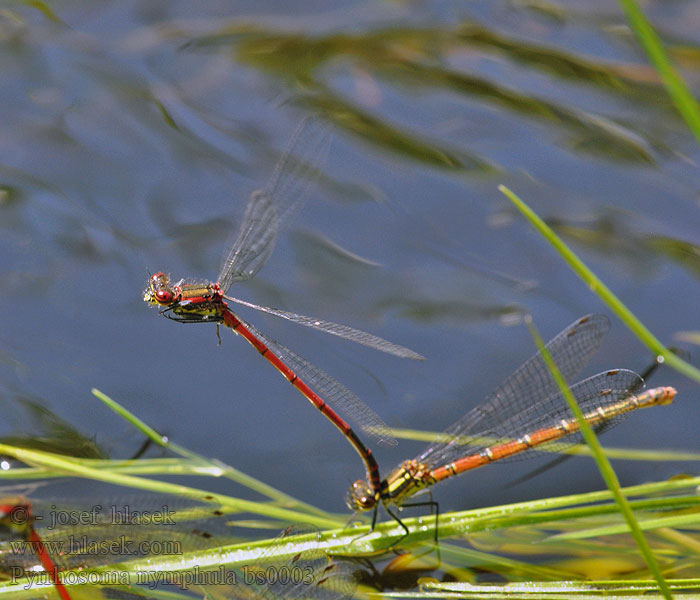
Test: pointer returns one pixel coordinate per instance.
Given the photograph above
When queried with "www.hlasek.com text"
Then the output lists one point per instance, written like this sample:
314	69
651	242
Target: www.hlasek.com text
77	546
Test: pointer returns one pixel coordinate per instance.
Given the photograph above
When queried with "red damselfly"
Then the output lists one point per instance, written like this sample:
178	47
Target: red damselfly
189	301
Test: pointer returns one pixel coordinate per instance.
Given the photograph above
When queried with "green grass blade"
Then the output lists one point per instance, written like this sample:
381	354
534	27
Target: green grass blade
163	568
549	518
539	513
604	465
675	521
467	558
523	513
599	288
149	466
681	96
216	468
80	469
632	588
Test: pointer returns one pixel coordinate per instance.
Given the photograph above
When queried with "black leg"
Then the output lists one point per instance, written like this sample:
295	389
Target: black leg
194	319
375	512
396	518
374	517
434	509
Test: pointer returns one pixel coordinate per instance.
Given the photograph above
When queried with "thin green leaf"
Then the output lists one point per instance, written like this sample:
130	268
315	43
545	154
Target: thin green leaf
216	468
681	96
604	465
80	469
603	292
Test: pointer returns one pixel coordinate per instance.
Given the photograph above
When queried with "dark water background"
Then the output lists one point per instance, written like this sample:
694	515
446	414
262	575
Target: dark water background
131	134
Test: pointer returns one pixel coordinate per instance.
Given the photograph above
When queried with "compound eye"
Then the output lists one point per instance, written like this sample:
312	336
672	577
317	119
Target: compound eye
366	503
360	496
160	279
164	297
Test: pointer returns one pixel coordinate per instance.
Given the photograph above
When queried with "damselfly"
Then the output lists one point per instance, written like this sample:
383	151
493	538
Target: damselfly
188	301
525	413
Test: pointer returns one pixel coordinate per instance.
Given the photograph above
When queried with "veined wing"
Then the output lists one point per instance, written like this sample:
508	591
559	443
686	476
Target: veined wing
530	384
283	195
600	399
334	393
343	331
294	567
635	388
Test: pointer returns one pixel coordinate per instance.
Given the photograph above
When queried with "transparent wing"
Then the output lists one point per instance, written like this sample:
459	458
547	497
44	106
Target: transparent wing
530	384
334	393
601	399
293	567
282	196
600	428
343	331
254	243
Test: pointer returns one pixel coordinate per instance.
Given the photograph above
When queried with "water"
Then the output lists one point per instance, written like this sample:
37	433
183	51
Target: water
133	132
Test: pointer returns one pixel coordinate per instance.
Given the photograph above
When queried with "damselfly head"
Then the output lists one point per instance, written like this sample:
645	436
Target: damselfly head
159	290
360	496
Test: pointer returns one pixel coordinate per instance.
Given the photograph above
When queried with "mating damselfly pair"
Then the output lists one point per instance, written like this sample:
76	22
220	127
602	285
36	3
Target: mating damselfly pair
526	413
